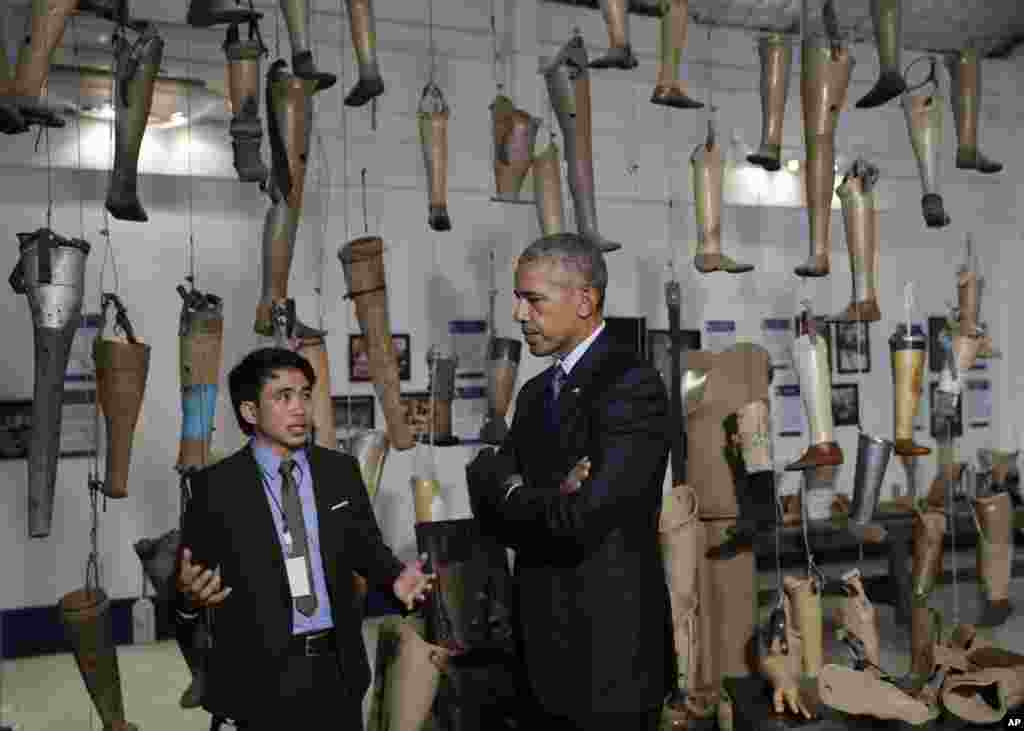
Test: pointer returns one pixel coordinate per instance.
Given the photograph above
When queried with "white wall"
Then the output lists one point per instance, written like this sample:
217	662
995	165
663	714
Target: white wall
434	277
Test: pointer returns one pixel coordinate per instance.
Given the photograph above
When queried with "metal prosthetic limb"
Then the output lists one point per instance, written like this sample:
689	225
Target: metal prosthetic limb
85	614
887	17
620	53
246	128
432	117
995	555
907	354
568	85
825	70
413	680
135	78
204	13
965	95
502	368
706	169
298	17
670	90
547	186
200	342
363	24
122	368
363	263
860	217
923	113
776	54
810	353
515	132
873	454
51	273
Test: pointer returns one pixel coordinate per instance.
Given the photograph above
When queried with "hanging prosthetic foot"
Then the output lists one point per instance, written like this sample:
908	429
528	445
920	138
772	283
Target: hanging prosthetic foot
670	90
923	114
707	169
243	87
298	18
860	217
135	76
433	116
965	95
776	54
363	23
887	17
204	13
908	356
620	53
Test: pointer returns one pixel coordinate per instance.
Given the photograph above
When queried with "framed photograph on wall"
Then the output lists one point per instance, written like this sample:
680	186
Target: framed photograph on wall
659	346
846	404
943	427
853	348
936	356
359	358
352	414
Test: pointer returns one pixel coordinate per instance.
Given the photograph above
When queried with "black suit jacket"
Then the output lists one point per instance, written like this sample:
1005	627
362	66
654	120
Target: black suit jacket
228	523
593	603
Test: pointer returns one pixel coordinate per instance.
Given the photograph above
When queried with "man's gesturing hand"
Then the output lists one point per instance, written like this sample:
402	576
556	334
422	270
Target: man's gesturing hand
201	587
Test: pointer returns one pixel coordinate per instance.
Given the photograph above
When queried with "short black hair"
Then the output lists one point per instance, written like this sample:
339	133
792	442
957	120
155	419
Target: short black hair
575	254
246	380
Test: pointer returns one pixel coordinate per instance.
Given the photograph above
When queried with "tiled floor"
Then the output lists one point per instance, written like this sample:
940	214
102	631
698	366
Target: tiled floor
47	694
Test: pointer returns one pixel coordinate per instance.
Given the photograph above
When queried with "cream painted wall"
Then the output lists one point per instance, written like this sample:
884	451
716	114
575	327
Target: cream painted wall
641	161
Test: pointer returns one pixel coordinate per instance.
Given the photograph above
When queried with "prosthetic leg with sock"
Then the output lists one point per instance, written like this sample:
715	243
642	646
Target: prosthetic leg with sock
907	355
995	556
515	132
965	95
670	90
243	58
135	79
860	217
432	117
776	54
887	18
363	23
298	18
810	354
620	53
706	168
923	113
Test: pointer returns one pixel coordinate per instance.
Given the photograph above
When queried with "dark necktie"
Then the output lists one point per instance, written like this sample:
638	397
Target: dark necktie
296	526
554	388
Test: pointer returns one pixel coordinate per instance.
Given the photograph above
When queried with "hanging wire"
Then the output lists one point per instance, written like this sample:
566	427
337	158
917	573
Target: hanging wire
49	181
951	500
188	151
366	225
78	132
495	52
430	41
277	36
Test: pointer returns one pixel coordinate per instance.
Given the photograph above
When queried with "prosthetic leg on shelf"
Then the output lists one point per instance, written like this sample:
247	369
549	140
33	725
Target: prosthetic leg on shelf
433	128
515	132
923	113
776	54
965	95
887	18
363	22
670	90
908	355
243	59
620	53
298	18
860	217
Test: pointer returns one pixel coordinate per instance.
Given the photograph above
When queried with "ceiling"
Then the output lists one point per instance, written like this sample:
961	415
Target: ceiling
994	27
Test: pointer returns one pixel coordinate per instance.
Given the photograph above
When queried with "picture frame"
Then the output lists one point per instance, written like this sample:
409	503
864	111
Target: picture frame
853	347
352	414
846	404
943	428
936	354
77	437
659	346
359	363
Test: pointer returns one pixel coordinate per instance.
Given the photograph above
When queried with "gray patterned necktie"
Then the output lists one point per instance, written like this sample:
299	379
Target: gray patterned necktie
296	525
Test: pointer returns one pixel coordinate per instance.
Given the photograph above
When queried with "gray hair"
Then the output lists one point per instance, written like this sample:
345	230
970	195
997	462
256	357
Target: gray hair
575	254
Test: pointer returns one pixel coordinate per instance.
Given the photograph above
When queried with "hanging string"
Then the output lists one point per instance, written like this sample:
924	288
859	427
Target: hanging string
951	512
188	151
366	225
277	37
78	131
430	40
49	181
322	170
495	53
343	118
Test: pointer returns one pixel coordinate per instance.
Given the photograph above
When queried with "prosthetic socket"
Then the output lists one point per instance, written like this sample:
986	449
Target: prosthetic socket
135	78
569	90
776	54
243	58
670	90
965	95
503	356
515	132
923	113
995	555
860	216
51	274
887	18
363	23
825	70
433	126
620	53
706	168
547	186
200	340
442	392
908	355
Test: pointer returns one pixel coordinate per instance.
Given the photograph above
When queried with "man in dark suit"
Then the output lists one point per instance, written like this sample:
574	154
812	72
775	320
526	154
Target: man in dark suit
593	605
270	539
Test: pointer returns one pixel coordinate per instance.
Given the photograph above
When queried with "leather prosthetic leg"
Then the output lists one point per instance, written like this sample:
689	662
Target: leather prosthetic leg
135	78
857	620
246	128
776	54
620	53
568	85
929	528
502	367
780	658
965	92
805	601
204	13
810	352
363	24
993	685
873	454
362	261
370	449
887	17
860	217
706	167
122	367
995	555
923	113
547	186
298	18
514	134
907	355
200	341
670	90
862	693
85	614
413	680
825	71
433	126
51	274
